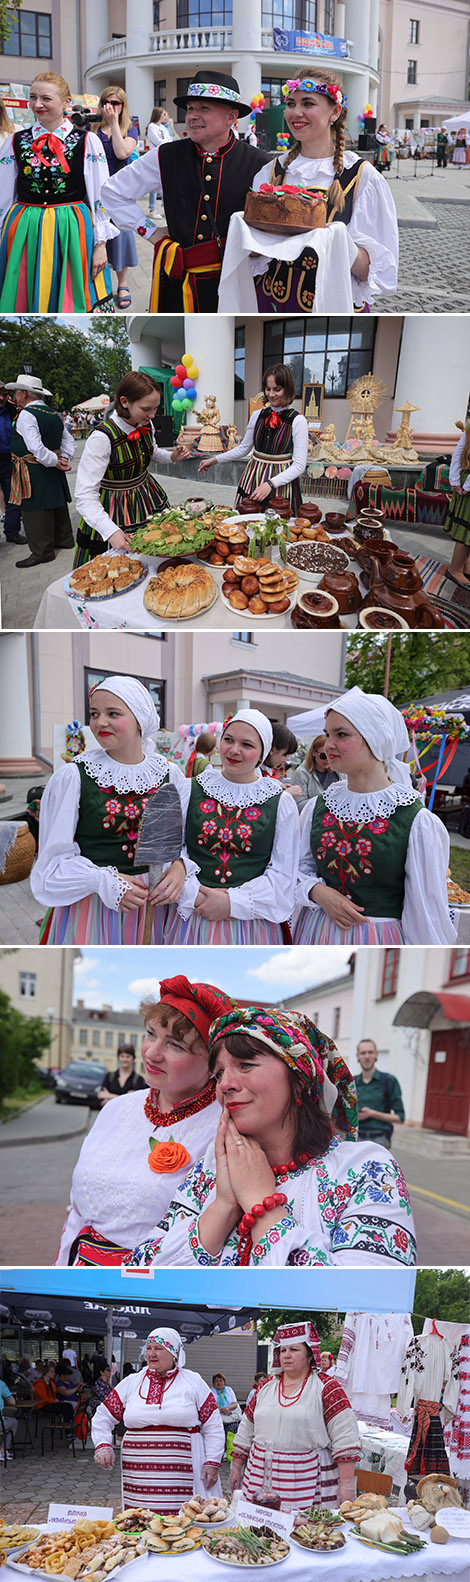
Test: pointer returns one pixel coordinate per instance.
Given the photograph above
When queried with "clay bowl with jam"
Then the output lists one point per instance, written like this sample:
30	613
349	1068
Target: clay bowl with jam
320	609
344	587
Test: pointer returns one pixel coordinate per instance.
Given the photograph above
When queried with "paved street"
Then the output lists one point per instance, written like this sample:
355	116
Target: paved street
37	1180
31	1483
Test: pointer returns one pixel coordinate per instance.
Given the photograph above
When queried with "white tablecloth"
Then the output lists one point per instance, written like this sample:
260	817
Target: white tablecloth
384	1451
127	611
354	1563
336	253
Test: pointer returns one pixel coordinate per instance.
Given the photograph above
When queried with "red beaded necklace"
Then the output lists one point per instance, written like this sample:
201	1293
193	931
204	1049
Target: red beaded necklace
191	1106
290	1399
245	1243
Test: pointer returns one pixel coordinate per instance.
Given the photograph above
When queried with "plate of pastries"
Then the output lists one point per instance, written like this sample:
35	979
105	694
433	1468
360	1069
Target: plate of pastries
180	593
258	587
105	577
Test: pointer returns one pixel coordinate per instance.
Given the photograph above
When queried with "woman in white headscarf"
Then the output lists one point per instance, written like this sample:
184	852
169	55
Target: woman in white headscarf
174	1440
373	860
242	835
86	873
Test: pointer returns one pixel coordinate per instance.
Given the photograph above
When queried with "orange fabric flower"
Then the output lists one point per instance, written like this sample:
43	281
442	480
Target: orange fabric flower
166	1158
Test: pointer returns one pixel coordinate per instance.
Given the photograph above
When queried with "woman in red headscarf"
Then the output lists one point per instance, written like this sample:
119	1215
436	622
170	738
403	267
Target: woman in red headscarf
306	1418
143	1143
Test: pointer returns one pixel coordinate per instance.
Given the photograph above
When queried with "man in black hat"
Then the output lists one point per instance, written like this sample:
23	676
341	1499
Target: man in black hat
203	179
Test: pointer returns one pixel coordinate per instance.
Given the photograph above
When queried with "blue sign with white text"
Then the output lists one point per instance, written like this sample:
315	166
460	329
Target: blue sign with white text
291	43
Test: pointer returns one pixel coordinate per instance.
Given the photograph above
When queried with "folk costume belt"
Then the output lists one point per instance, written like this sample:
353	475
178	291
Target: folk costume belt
425	1411
178	263
20	479
165	1428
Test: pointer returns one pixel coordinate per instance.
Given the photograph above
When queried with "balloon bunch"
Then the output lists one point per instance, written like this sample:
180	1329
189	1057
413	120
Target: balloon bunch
282	142
257	103
183	381
191	732
365	113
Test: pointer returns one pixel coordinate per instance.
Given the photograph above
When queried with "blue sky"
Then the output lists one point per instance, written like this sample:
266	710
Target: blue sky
120	977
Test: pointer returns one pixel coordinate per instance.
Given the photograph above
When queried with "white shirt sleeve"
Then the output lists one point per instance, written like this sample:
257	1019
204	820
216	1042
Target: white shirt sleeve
8	178
307	875
426	918
120	192
374	225
67	445
95	171
28	426
454	469
61	875
246	444
271	896
156	133
91	469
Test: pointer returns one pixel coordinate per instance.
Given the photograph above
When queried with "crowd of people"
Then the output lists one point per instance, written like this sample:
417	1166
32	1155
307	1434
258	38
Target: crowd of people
76	193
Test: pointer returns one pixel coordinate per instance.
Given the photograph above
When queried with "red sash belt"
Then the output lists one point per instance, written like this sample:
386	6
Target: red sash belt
165	1428
93	1250
425	1411
179	263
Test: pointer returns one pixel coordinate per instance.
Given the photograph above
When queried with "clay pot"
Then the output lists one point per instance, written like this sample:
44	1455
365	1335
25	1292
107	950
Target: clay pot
282	507
335	521
319	609
401	572
364	531
412	603
383	551
312	512
376	618
343	586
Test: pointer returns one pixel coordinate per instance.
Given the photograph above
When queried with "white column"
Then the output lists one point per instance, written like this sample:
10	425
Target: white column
211	343
340	19
139	78
433	372
246	42
374	34
357	84
97	29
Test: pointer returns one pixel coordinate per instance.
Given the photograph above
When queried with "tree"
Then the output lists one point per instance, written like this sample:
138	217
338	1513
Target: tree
8	12
23	1040
441	1294
421	663
110	350
62	355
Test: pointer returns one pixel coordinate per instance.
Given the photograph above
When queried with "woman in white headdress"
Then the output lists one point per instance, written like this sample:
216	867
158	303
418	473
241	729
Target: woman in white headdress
86	874
242	835
174	1440
373	860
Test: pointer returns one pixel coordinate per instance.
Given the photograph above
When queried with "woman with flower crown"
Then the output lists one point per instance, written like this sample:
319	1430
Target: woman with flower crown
86	874
144	1141
53	227
373	860
357	197
285	1181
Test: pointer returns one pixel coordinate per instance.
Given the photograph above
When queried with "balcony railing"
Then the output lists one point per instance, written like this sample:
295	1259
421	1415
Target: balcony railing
190	38
115	50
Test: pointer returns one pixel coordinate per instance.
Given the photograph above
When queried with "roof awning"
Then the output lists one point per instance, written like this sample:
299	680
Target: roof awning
419	1009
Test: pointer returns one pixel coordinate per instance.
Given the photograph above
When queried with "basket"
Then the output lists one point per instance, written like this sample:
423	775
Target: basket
20	857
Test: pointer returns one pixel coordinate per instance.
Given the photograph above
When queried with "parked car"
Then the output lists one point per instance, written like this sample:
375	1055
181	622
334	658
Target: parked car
46	1076
80	1083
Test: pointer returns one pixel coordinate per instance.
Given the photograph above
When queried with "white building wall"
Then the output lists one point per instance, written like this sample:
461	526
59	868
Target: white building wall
15	727
434	372
404	1051
441	54
51	978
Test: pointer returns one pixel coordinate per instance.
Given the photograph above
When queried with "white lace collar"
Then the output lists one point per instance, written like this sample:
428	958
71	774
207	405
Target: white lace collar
146	776
61	131
368	804
215	784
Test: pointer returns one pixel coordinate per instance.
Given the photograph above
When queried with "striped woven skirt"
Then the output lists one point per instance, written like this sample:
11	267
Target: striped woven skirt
45	262
316	928
458	519
90	922
157	1468
301	1479
426	1450
262	469
228	931
128	507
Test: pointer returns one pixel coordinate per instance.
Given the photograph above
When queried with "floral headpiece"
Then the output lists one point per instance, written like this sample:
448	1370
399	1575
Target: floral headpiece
308	85
296	1335
307	1051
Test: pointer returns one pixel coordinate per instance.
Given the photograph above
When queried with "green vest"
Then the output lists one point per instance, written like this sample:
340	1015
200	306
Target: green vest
108	823
364	860
230	844
49	487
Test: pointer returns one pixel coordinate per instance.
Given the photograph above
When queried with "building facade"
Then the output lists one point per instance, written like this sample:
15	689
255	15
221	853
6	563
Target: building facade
423	61
98	1032
40	983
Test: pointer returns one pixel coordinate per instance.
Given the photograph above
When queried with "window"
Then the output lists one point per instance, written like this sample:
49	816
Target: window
83	1036
412	71
414	32
289	13
122	1039
242	637
390	967
460	964
239	363
327	351
156	689
201	13
336	1021
156	15
27	985
30	36
272	89
109	1040
329	16
182	85
159	93
96	1037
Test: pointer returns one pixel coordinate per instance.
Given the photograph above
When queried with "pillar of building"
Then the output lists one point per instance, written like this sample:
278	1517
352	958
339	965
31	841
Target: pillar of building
433	373
357	83
214	357
139	77
97	29
340	19
246	43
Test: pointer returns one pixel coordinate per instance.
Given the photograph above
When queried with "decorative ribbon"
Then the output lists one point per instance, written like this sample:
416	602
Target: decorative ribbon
145	428
20	479
438	770
274	421
54	147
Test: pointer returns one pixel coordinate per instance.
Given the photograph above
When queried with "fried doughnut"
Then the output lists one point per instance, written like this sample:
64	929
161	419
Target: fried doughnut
230	577
277	606
238	600
221	548
257	606
250	586
216	560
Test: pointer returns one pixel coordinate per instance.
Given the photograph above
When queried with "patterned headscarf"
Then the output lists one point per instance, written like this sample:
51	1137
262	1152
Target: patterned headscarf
300	1044
296	1335
171	1340
198	1002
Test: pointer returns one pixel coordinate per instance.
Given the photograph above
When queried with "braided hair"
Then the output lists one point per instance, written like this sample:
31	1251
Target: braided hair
336	195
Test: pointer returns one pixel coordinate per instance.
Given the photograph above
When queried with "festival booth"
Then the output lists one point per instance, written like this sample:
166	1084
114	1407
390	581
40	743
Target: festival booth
440	739
378	1356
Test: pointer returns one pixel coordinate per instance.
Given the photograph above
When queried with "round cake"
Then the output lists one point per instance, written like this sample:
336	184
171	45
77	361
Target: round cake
284	210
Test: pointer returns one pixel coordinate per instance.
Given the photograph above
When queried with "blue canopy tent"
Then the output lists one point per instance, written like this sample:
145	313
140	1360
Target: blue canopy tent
362	1289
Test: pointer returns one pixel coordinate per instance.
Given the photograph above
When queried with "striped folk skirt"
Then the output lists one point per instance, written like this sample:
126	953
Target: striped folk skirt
128	507
307	1477
262	469
157	1468
316	928
90	922
458	519
426	1450
45	262
229	931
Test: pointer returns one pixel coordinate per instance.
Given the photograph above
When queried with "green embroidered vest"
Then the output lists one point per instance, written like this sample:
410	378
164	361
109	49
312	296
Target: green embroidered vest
230	844
108	823
364	860
49	487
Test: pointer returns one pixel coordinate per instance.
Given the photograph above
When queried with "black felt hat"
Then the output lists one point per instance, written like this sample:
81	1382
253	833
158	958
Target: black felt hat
215	86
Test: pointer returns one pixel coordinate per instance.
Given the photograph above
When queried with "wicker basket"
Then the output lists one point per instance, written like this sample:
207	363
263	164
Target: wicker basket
20	857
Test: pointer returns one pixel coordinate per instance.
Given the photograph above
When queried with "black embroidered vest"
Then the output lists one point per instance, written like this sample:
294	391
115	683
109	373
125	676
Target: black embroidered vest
40	184
183	169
